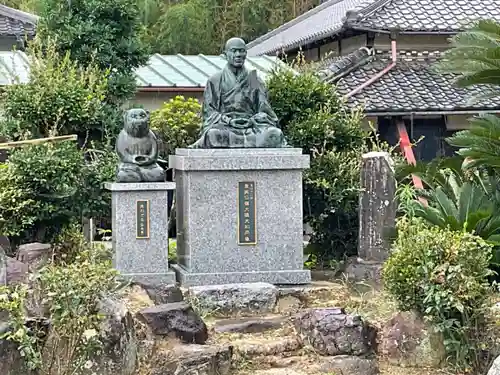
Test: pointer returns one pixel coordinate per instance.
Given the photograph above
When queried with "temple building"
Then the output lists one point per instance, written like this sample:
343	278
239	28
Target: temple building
381	55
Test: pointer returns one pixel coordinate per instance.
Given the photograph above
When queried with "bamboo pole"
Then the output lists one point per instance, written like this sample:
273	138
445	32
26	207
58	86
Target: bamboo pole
60	138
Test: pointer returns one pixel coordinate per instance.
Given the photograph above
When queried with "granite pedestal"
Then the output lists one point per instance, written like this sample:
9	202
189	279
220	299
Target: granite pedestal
139	231
212	247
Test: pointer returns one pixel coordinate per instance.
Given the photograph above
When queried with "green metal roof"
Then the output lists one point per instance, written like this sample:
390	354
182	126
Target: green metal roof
162	71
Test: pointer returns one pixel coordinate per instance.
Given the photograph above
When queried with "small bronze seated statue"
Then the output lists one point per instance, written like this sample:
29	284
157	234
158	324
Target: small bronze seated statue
137	148
236	112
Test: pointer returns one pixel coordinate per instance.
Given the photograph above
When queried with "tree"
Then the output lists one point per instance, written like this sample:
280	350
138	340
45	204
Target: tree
203	26
104	32
475	56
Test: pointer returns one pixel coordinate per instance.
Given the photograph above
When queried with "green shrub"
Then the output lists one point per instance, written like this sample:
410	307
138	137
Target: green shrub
315	119
43	188
101	32
60	98
177	123
458	199
72	293
442	274
295	97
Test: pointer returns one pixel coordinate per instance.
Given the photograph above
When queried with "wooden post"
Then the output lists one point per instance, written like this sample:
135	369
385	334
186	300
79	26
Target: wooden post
9	145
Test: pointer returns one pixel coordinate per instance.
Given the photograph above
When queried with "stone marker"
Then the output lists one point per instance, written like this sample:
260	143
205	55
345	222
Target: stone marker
377	206
239	216
139	231
377	217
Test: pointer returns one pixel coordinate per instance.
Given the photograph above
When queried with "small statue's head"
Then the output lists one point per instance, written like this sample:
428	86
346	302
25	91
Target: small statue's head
236	52
136	122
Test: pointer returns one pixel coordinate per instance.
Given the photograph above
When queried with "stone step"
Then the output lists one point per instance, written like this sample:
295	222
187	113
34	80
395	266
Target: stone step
249	325
191	359
254	347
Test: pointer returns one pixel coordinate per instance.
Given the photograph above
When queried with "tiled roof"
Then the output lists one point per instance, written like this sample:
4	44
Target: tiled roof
413	85
13	22
321	22
425	15
333	16
162	71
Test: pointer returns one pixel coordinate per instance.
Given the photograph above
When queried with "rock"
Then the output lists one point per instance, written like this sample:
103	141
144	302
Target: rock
349	365
288	305
250	325
265	347
278	371
5	244
119	354
163	294
235	299
330	331
406	340
494	369
11	362
194	360
35	255
16	272
178	319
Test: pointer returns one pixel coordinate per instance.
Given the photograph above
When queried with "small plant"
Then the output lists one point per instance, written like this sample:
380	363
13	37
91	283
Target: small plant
71	293
443	274
172	251
13	300
177	123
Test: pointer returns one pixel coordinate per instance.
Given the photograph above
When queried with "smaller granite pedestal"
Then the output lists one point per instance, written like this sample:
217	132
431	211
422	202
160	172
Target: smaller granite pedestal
140	231
239	216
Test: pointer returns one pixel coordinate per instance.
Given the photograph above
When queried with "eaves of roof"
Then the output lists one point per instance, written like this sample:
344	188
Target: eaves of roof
323	21
412	86
187	73
16	23
422	16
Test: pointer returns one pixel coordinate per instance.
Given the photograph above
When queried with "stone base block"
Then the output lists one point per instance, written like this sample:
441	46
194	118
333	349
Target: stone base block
140	231
272	277
359	270
239	216
156	279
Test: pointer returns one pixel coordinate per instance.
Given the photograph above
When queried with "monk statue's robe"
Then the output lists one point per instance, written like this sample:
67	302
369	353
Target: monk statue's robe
237	114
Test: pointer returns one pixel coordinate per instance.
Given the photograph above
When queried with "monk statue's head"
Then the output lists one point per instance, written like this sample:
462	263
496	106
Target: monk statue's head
236	52
136	122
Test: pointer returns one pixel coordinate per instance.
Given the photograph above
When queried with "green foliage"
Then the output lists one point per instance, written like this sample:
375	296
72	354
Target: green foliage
177	123
43	187
458	200
203	26
72	293
13	300
442	274
60	98
104	32
296	97
172	251
317	121
475	55
480	144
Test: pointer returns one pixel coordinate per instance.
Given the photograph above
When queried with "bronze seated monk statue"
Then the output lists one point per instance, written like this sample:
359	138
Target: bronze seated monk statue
137	148
236	112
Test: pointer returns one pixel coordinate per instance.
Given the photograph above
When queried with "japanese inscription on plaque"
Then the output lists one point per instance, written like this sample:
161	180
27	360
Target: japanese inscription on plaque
247	218
142	219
